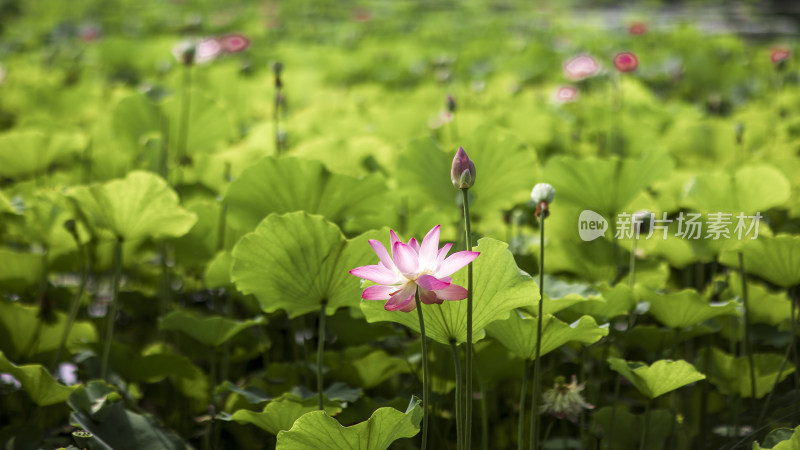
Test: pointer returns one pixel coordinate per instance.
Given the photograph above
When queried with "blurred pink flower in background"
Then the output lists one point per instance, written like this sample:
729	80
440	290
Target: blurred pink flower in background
234	43
565	94
580	67
626	62
637	28
779	55
192	51
414	266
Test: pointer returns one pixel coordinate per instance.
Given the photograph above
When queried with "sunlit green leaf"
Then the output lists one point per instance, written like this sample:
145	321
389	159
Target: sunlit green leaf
282	185
732	375
780	439
753	188
139	206
212	330
32	152
296	261
364	366
23	333
498	288
604	186
518	333
686	308
659	378
280	413
318	430
776	259
43	389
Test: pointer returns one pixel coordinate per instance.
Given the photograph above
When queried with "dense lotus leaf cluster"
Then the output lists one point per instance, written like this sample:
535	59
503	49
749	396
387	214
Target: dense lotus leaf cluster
185	188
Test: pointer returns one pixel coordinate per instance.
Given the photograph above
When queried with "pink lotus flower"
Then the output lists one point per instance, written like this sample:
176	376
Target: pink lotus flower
626	62
566	94
779	55
637	28
414	266
580	67
234	43
192	51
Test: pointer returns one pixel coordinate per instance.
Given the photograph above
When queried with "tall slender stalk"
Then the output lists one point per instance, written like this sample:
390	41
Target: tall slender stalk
468	406
425	376
537	370
646	424
183	123
112	313
459	395
522	400
76	299
320	349
747	346
484	408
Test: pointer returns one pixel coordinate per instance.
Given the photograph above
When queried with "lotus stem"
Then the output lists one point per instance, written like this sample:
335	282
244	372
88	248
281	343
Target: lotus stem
537	369
425	377
747	347
459	395
468	406
522	400
76	299
320	349
112	313
646	424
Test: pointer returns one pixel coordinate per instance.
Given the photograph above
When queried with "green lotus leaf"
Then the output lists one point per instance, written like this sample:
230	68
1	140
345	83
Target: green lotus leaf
609	302
498	288
20	270
752	189
136	118
139	206
318	430
780	439
218	270
24	333
775	259
685	308
36	380
518	333
212	331
364	366
732	374
210	126
31	152
281	185
659	378
296	261
605	186
765	306
280	413
98	409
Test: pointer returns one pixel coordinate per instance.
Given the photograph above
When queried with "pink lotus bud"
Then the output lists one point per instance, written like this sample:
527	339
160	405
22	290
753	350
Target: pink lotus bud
637	28
463	171
566	94
779	55
626	62
234	43
580	67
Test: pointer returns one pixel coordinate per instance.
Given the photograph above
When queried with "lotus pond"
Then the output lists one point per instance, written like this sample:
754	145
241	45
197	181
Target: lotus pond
319	224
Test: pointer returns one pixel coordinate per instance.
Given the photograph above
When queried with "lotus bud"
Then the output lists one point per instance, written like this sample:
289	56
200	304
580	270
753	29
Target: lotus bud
542	195
543	192
463	171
